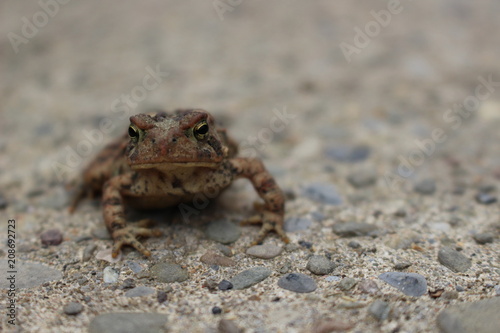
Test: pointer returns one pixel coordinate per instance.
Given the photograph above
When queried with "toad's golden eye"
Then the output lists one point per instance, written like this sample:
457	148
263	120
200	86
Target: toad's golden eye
200	130
133	133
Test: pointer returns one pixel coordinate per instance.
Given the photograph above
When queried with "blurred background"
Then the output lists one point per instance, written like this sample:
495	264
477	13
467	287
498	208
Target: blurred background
351	75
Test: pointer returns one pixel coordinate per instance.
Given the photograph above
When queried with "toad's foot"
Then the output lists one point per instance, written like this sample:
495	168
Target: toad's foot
128	236
270	222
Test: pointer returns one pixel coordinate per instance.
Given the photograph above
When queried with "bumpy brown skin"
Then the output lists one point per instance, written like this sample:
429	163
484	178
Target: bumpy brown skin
168	160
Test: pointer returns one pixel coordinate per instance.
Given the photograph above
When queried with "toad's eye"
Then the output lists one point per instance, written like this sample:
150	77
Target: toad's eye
200	130
133	133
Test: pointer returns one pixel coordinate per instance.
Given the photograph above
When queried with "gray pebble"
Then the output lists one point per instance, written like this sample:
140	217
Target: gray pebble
354	245
425	187
140	291
225	250
484	238
168	272
410	284
293	224
88	252
228	326
110	275
266	251
127	322
348	154
354	229
291	247
362	178
402	265
135	267
320	265
28	274
347	284
285	268
485	198
379	310
324	193
223	231
250	277
367	286
51	237
478	317
73	308
297	282
453	259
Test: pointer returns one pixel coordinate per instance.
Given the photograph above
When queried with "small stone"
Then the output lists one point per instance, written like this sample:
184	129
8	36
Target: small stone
128	284
266	251
285	268
306	244
291	247
333	278
410	284
324	193
225	285
51	237
134	266
223	231
161	296
484	238
128	322
454	260
169	272
88	252
354	229
228	326
139	291
249	277
73	308
354	245
297	282
110	275
486	198
331	325
212	258
402	265
293	224
348	154
379	310
425	187
101	232
347	284
320	265
225	250
400	213
450	294
216	310
479	317
368	286
363	178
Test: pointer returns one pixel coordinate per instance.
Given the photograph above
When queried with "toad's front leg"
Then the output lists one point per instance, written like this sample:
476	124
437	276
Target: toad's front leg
273	210
114	217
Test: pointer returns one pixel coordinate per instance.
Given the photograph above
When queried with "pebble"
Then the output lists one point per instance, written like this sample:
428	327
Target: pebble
291	247
28	274
454	260
379	310
297	282
347	284
266	251
139	291
324	193
72	308
354	229
228	326
293	224
484	238
128	283
348	154
249	277
161	296
368	286
486	198
213	258
333	278
216	310
110	275
3	202
425	186
225	285
134	266
354	245
88	252
225	250
128	322
478	317
168	272
331	325
402	265
362	178
51	237
320	265
223	231
410	284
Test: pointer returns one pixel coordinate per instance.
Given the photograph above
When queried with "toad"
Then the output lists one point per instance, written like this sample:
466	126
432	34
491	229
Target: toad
166	160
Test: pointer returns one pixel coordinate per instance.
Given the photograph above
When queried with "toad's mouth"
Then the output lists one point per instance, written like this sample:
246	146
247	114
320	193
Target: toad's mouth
173	165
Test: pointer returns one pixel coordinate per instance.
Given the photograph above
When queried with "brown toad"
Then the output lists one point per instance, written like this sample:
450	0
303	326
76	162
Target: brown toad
165	160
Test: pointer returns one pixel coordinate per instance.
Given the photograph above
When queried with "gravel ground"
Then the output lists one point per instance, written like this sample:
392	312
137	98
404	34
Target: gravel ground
378	119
